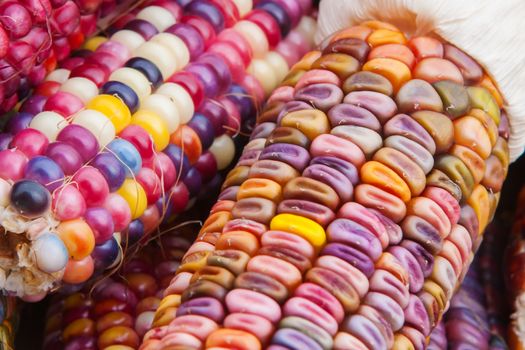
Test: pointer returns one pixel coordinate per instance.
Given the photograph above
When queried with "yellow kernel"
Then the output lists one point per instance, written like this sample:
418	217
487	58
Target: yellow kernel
303	227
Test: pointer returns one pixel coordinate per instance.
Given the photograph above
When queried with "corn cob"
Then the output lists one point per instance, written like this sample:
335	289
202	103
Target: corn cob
67	89
97	322
151	170
119	310
353	213
514	274
8	321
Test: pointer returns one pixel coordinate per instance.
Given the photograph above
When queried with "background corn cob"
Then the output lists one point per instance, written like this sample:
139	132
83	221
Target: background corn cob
438	337
466	325
118	310
353	213
178	171
8	321
68	89
514	273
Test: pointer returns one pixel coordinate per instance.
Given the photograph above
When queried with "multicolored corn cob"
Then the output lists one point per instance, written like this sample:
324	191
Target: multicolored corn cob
515	277
93	174
119	310
492	277
438	338
353	212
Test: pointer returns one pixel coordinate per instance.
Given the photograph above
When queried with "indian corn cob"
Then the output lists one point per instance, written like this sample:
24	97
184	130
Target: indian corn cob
104	314
492	268
466	324
514	274
354	211
99	318
438	337
97	173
